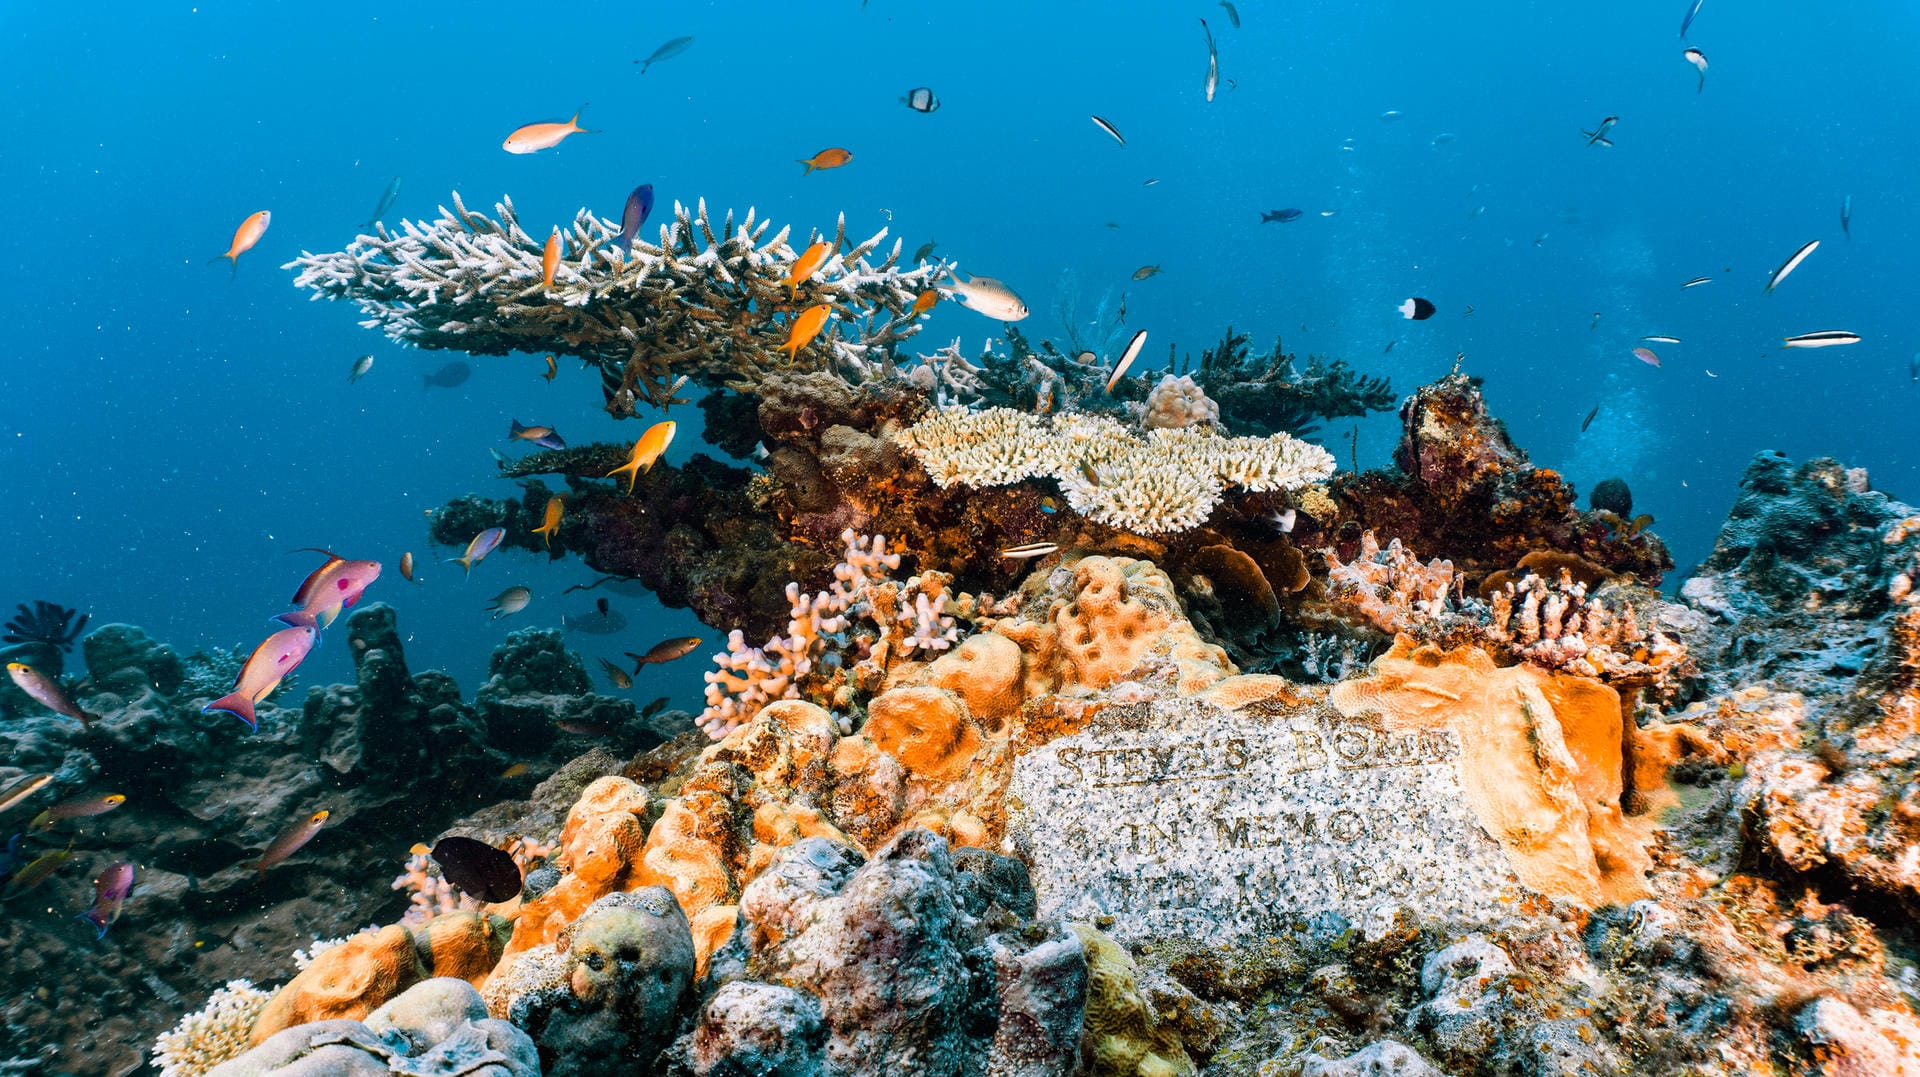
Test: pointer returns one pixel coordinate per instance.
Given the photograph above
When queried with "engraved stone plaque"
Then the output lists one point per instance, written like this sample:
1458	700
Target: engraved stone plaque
1180	818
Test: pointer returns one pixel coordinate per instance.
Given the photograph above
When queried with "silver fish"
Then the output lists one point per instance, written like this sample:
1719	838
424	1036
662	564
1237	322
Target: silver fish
1693	12
1233	14
510	601
989	297
1826	338
1213	62
1697	282
1791	264
1126	359
360	368
1699	61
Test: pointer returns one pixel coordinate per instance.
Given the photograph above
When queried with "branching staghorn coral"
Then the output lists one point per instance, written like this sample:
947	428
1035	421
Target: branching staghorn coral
1553	624
864	612
705	302
216	1032
1168	481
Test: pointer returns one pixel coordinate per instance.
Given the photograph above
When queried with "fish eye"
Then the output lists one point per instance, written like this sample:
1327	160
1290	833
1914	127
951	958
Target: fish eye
594	961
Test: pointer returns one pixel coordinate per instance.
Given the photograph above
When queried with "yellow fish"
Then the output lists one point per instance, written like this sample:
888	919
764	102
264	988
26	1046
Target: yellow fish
805	266
828	158
923	303
550	258
515	771
552	369
245	237
649	448
804	329
535	137
556	506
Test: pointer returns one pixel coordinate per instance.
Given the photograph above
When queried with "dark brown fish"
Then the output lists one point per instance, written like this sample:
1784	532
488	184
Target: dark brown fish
665	651
583	728
1591	416
290	841
478	869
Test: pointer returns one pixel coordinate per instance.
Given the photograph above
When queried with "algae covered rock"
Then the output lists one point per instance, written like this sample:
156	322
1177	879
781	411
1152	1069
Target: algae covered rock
615	986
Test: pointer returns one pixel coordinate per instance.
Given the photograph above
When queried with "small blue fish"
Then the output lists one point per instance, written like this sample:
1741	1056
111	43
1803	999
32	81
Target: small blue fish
1282	215
1692	13
639	205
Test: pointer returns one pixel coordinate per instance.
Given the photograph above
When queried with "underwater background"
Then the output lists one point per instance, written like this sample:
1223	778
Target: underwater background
168	435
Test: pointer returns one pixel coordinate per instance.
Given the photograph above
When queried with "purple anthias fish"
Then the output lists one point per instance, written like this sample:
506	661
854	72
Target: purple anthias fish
110	892
639	204
482	545
544	436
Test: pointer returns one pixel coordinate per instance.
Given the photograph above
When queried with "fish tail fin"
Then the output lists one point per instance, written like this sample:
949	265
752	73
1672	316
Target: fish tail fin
575	122
237	704
99	922
809	165
514	430
1702	86
297	619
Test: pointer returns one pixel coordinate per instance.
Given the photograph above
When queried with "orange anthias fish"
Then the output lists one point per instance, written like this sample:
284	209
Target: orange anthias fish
556	507
553	368
534	137
651	446
804	329
806	266
270	662
827	158
244	238
290	841
923	303
550	258
406	567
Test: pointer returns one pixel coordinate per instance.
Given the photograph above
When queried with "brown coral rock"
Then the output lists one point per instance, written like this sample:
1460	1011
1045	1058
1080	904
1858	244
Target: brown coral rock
465	944
986	672
349	981
1540	761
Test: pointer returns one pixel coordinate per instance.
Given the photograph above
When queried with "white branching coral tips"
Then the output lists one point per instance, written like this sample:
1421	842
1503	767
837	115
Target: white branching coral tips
1168	481
698	303
216	1032
862	610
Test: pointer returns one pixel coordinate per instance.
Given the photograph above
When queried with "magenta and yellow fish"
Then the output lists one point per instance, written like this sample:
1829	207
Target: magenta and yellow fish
334	586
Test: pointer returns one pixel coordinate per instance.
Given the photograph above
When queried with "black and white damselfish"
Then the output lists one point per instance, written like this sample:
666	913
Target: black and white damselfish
1417	309
921	99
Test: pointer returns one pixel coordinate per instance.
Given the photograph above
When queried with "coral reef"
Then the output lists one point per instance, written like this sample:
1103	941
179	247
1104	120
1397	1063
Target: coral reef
394	756
1169	481
1177	402
863	611
1462	490
1261	393
649	318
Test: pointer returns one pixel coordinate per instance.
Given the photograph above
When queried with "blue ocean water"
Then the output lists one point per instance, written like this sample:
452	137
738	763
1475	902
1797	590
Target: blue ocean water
167	434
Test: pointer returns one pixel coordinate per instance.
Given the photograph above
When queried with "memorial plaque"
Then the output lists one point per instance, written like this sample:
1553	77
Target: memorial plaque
1180	818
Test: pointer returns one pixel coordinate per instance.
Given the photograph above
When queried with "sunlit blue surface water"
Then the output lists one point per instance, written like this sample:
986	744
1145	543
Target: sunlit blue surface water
167	435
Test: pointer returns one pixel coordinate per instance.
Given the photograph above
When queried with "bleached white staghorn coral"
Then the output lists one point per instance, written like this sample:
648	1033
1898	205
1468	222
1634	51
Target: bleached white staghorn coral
1169	481
704	300
809	660
216	1032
